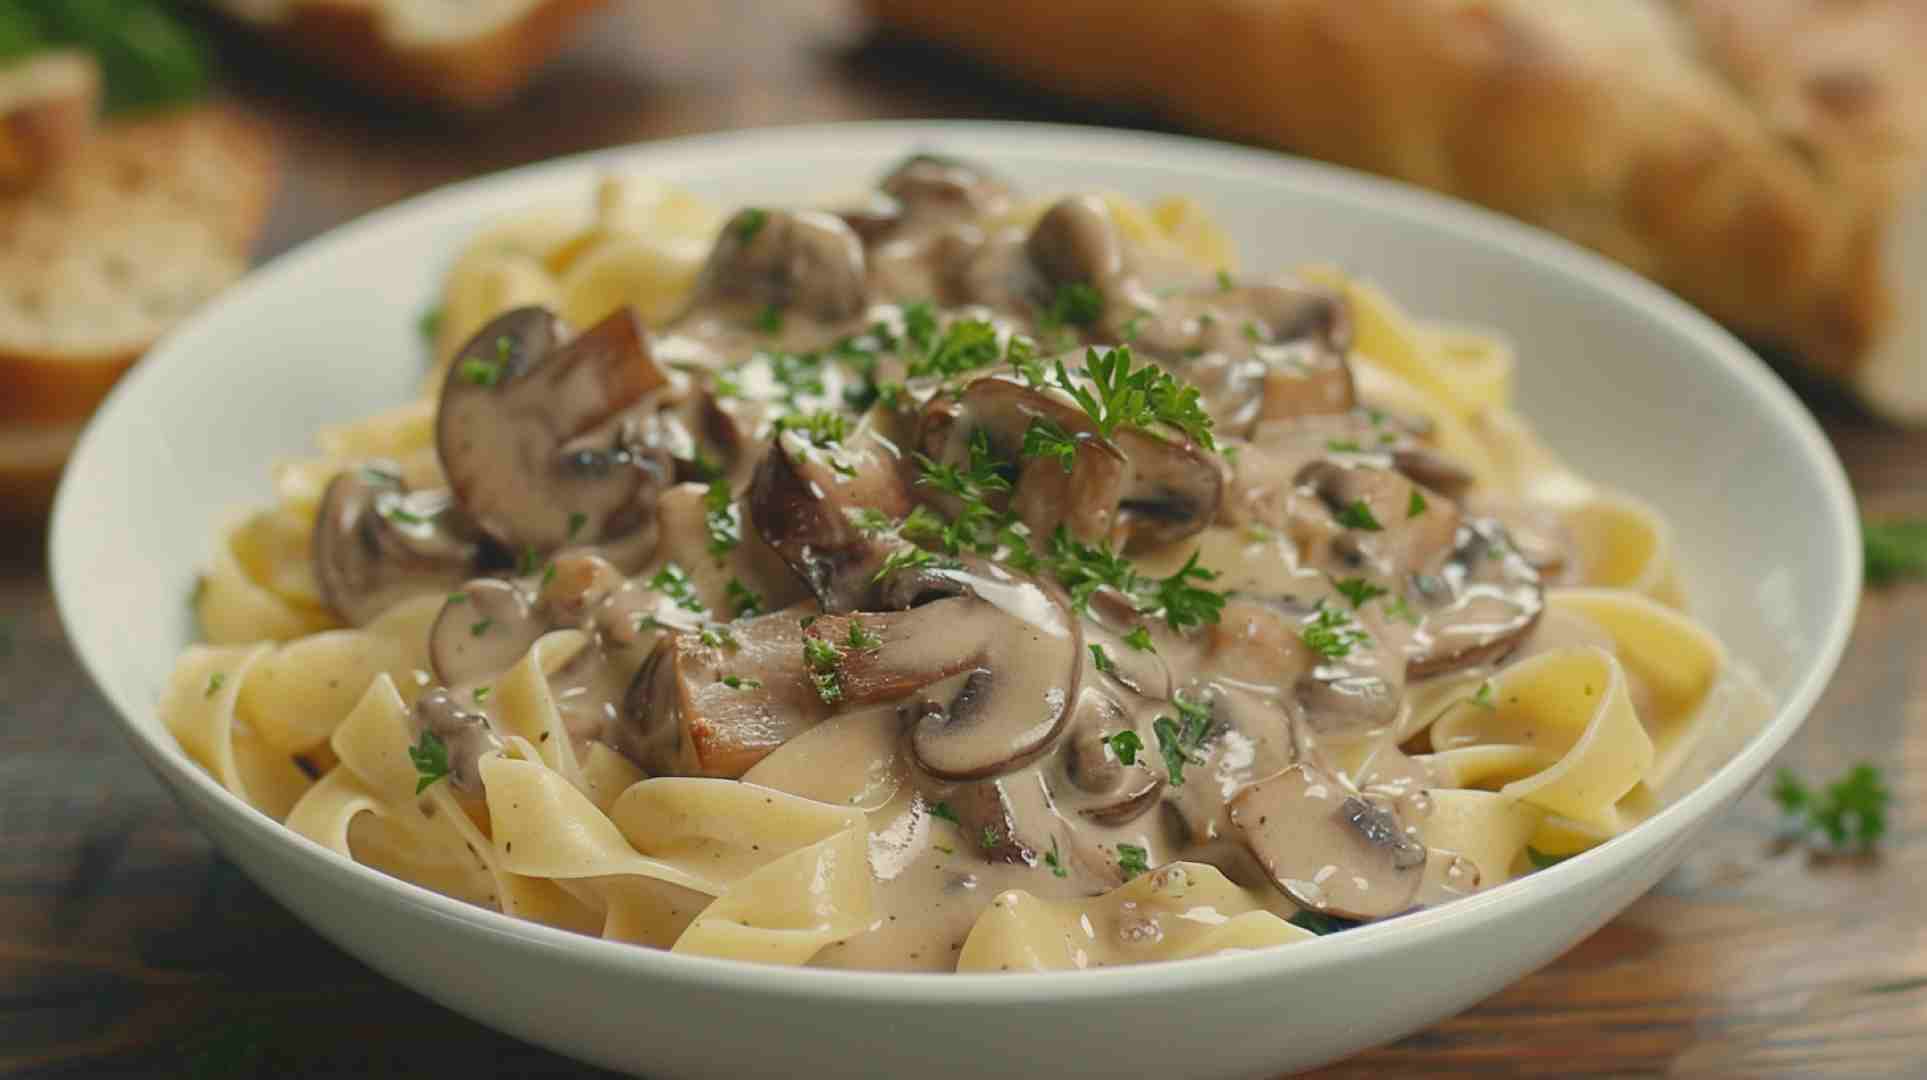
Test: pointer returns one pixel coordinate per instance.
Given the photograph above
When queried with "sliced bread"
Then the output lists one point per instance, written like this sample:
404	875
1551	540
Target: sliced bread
48	102
469	54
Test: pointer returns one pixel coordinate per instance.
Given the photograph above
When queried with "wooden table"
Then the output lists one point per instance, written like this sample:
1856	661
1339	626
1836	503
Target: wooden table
129	947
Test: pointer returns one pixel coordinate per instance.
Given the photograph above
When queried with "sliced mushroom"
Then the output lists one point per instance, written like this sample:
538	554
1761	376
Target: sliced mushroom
466	736
993	818
1375	523
1478	607
1434	469
1265	351
805	261
1136	488
715	710
1101	786
1011	647
927	191
1328	848
813	506
483	630
534	437
375	542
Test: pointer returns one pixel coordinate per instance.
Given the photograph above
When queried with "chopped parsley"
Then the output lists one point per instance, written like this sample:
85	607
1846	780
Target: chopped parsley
480	626
1131	860
1136	397
717	637
1140	639
741	682
749	223
721	518
822	657
769	320
406	517
1358	516
862	638
1332	634
214	682
1126	745
942	810
1075	304
1852	809
964	345
1254	333
1358	590
430	758
673	582
1343	446
1045	439
577	519
989	839
920	324
743	600
1184	604
429	324
1054	861
1895	549
481	694
1398	609
905	558
1483	698
378	474
480	372
1416	504
1181	744
1103	660
821	428
869	520
1225	284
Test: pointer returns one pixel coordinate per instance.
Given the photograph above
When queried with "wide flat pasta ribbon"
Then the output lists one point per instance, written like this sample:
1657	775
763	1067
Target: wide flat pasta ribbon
1177	911
200	707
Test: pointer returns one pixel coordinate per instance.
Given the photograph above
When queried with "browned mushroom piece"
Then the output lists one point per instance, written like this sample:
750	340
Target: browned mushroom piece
927	191
805	261
816	507
1359	689
1378	521
537	439
715	710
1434	469
466	736
1008	651
1327	847
1077	242
1305	337
483	629
1135	488
999	822
1478	607
375	542
1102	787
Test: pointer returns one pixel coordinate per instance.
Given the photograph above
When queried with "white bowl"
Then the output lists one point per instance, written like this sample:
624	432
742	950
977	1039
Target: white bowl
1636	388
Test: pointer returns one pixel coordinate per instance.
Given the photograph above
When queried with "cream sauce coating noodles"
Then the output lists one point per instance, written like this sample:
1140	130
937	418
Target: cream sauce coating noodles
951	580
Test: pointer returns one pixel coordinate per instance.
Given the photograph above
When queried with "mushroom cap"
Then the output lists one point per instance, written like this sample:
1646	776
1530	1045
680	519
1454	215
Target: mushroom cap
483	629
808	511
1480	605
1077	241
532	432
375	543
1326	847
801	260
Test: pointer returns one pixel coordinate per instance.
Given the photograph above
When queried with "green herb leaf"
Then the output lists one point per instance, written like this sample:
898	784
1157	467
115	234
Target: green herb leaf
1540	860
1225	283
863	638
1131	860
481	694
1483	698
1359	516
1102	660
1045	439
1140	639
741	682
1075	304
430	758
1895	549
1140	397
1332	634
672	581
429	324
942	810
1852	809
750	222
1358	591
480	627
1184	604
1416	505
1054	861
743	600
1320	923
721	518
214	683
769	320
1126	745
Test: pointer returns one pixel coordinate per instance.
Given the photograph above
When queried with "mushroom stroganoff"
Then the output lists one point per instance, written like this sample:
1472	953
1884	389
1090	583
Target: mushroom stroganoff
948	580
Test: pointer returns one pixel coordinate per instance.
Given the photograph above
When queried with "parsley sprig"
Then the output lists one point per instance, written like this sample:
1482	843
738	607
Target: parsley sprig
430	758
1122	396
1333	634
720	517
1895	549
1181	742
1851	809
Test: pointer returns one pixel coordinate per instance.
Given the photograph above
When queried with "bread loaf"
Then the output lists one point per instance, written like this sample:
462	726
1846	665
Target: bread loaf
1756	156
47	106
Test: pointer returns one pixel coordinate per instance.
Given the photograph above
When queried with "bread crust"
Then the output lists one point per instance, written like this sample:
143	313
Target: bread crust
350	38
1748	154
210	166
48	103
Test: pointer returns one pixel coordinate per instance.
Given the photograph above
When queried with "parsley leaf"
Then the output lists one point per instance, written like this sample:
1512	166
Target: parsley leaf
1540	860
822	657
1416	505
965	345
1102	660
720	516
770	319
1852	808
1358	590
1140	639
863	638
1054	861
1183	604
673	582
822	428
749	223
1074	304
942	810
1332	634
1895	549
741	682
1131	860
905	558
430	757
1136	397
214	683
743	600
1359	516
1125	744
1045	439
1483	698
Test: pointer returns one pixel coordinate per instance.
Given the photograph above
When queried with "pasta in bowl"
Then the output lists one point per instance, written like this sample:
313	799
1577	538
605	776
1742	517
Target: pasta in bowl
949	580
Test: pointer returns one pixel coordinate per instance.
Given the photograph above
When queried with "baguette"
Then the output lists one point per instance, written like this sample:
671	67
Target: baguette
96	263
48	102
1753	155
468	54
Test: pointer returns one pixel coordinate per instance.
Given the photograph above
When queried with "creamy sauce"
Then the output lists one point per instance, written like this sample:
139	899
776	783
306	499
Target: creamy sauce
732	566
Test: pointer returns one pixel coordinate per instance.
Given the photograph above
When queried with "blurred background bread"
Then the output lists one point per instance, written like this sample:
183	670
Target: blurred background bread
112	229
452	52
1762	158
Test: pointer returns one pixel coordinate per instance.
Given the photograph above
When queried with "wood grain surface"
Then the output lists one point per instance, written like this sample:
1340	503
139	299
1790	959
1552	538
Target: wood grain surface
128	947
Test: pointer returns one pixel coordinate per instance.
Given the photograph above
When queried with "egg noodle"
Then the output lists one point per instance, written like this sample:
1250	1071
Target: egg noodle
827	842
